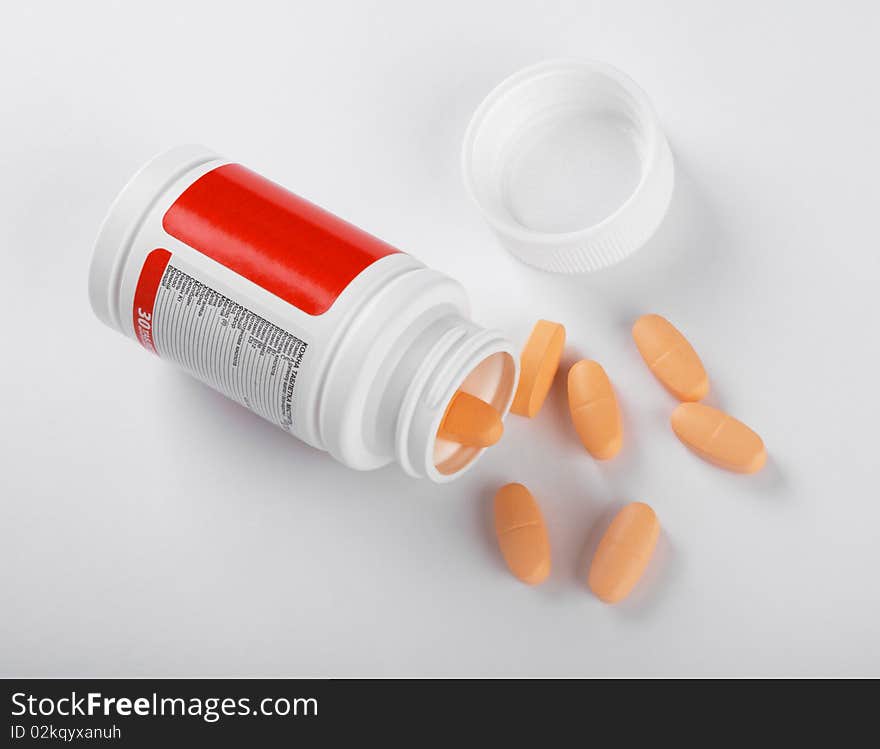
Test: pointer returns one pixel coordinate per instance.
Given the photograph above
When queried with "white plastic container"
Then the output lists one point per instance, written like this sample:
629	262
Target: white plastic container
569	165
336	337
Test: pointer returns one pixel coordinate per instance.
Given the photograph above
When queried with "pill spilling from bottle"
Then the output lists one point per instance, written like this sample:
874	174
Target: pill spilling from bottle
358	349
627	546
470	421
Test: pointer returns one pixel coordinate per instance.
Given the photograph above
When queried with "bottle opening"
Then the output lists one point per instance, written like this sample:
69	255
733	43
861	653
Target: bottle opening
454	356
492	381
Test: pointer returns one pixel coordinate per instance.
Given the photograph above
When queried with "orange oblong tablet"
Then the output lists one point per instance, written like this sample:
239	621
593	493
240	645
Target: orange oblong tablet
671	358
470	421
719	438
522	535
594	409
624	552
538	364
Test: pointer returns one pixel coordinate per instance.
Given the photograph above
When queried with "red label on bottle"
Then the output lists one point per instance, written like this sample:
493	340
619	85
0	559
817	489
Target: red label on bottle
145	297
286	245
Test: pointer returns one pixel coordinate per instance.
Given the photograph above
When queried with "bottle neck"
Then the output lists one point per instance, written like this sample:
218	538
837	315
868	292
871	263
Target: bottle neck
453	354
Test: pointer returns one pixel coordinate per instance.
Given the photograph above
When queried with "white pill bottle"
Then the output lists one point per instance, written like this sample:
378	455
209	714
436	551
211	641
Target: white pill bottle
341	340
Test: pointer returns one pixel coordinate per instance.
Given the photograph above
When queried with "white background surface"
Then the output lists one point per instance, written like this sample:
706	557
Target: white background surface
151	527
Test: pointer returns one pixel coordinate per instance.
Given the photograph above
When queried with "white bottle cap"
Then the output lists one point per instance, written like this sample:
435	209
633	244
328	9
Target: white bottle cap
568	163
